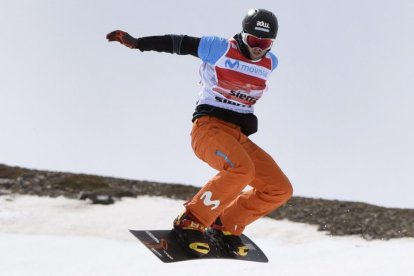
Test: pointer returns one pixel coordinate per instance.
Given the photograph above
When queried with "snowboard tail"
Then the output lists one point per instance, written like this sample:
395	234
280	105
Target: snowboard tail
166	245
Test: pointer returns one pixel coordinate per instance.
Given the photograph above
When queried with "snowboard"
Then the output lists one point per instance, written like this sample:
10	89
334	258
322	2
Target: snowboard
166	246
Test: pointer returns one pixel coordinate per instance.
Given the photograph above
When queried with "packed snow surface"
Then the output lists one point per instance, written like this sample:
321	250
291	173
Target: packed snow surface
60	236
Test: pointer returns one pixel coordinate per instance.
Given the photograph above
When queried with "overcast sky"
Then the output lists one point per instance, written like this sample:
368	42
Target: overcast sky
338	117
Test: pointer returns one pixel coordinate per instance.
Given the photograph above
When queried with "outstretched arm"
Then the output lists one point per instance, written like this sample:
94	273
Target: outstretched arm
174	44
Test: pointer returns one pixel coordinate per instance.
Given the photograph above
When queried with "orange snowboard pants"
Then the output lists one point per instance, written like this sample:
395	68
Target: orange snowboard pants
240	163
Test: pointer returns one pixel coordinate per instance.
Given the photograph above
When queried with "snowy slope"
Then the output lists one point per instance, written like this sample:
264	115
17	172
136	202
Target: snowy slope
45	236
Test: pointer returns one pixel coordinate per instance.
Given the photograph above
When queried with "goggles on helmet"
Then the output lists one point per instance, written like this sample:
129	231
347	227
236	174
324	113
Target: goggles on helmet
256	42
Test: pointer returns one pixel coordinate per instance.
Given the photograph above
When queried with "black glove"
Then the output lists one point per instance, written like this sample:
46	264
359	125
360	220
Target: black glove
124	38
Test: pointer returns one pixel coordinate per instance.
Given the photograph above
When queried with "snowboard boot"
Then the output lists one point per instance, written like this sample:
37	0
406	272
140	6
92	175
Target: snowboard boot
233	243
191	234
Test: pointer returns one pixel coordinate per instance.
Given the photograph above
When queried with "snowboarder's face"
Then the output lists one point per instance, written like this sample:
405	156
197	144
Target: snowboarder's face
256	53
257	47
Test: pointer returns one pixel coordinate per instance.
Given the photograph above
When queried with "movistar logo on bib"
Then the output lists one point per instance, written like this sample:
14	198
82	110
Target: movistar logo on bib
246	68
232	63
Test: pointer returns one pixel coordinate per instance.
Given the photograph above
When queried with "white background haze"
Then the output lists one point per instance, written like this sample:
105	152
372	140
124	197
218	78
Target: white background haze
338	117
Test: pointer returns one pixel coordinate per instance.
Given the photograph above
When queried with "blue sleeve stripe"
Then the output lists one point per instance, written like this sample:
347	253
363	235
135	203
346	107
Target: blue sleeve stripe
211	48
275	61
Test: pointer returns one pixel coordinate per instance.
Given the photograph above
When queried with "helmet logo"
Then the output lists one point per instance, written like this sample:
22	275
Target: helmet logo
262	26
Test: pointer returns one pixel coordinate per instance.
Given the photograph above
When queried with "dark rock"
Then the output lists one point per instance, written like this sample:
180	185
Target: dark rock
97	198
335	217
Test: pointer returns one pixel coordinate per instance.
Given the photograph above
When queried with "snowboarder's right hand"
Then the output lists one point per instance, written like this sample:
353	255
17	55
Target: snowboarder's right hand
123	37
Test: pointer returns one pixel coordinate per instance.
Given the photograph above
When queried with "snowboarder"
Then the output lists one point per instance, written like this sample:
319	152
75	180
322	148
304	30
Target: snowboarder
233	77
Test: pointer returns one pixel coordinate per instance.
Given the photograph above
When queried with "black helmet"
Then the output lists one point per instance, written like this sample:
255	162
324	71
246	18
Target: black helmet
260	23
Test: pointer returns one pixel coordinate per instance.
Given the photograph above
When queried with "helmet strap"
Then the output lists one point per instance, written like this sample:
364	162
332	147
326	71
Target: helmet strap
243	47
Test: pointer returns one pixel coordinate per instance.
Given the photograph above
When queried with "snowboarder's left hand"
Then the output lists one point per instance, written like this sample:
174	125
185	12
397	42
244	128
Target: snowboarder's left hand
123	37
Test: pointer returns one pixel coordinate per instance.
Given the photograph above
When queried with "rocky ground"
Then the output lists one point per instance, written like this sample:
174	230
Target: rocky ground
336	217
